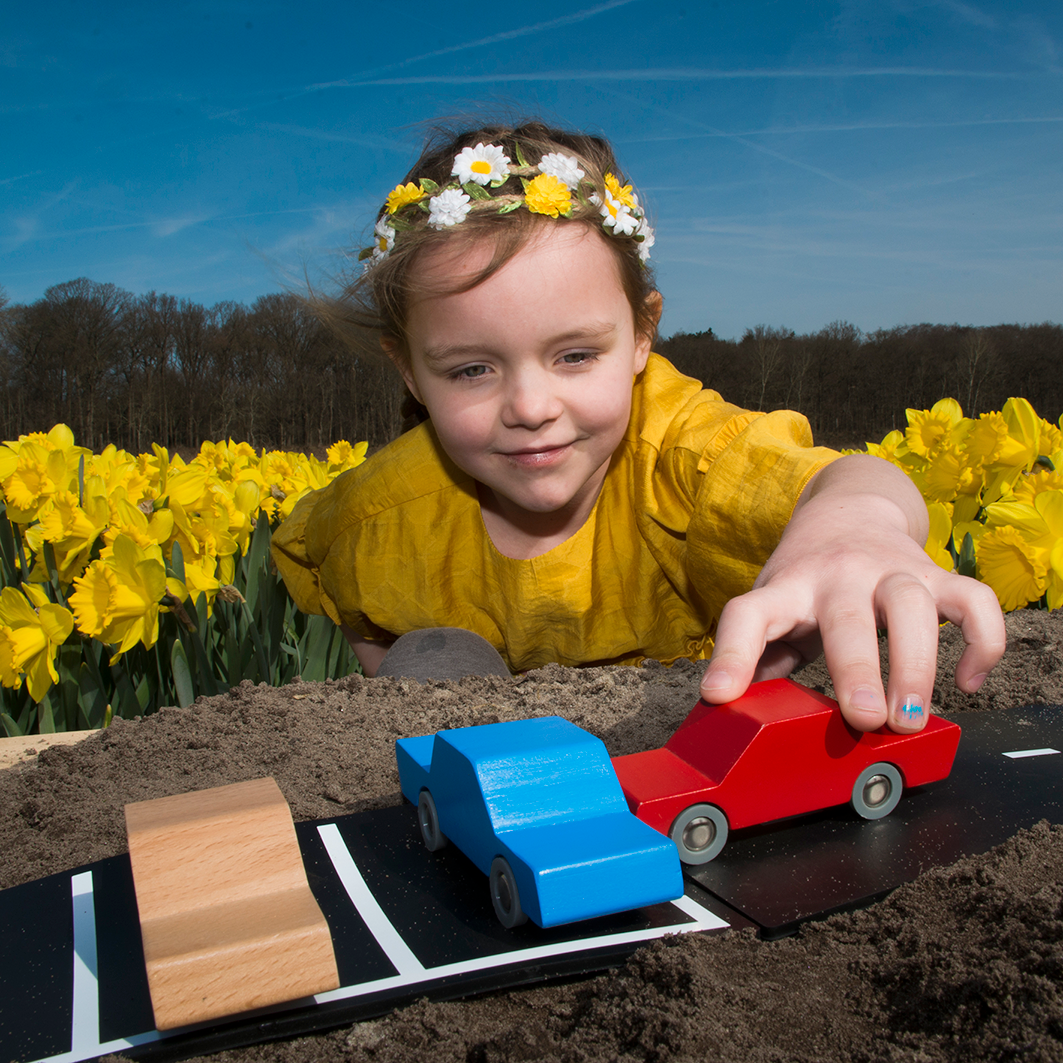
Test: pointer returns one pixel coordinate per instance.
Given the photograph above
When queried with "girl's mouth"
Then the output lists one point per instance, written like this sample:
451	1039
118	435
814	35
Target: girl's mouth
537	457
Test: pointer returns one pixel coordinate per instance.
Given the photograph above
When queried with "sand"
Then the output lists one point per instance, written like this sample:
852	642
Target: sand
965	963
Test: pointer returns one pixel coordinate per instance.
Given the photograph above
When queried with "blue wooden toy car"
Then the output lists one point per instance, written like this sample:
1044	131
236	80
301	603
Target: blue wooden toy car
536	805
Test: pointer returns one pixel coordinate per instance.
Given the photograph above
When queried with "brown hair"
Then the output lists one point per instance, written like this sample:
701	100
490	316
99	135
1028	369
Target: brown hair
378	299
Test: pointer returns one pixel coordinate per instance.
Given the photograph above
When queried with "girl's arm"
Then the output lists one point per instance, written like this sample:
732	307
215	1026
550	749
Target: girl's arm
369	654
850	562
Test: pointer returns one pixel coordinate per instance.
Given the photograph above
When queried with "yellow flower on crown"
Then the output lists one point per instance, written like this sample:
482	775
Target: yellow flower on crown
624	193
546	194
403	195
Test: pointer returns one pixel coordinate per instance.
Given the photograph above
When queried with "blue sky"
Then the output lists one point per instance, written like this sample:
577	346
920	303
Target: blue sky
885	162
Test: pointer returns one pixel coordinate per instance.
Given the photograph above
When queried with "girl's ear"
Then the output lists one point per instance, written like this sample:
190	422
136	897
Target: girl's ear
644	340
401	360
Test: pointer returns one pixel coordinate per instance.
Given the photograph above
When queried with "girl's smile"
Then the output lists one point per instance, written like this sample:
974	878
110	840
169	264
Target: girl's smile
527	377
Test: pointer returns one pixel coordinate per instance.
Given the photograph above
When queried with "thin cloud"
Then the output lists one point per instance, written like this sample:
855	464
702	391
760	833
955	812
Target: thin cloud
970	14
679	74
847	127
483	42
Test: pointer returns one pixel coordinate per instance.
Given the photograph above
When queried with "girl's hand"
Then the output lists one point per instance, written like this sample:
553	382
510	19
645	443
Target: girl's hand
850	562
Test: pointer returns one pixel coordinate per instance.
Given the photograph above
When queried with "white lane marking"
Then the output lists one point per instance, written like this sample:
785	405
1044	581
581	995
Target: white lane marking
380	926
703	920
85	1013
1017	754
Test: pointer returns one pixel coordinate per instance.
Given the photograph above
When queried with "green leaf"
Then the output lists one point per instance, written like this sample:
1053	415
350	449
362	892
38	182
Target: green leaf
177	562
45	716
509	207
182	675
11	729
8	553
92	699
966	563
521	160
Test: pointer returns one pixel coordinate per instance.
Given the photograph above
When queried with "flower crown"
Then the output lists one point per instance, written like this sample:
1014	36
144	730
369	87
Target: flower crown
549	188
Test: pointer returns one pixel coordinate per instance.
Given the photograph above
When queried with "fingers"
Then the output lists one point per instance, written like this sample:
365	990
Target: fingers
850	647
747	647
974	608
911	620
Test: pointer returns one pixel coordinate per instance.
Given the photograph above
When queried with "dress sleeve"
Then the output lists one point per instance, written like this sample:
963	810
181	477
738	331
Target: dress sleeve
290	556
752	473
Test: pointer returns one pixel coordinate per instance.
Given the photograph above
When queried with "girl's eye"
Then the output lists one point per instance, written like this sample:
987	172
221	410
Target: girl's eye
468	372
579	357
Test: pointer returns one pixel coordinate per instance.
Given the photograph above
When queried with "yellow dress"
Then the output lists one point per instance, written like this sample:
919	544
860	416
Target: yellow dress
694	501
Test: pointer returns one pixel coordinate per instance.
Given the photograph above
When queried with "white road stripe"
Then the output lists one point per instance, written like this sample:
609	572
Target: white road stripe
411	975
1019	753
389	939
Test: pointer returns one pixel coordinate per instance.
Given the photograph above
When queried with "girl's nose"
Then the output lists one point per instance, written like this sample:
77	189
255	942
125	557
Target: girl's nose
530	401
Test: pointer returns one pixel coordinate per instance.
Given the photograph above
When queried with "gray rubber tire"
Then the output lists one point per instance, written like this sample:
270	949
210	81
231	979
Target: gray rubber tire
505	897
428	820
699	833
876	791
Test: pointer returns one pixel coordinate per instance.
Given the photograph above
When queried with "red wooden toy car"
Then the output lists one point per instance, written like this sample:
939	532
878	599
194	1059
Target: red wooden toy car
779	750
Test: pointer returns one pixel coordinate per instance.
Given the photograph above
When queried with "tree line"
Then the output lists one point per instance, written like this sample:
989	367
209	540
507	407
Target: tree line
140	369
854	387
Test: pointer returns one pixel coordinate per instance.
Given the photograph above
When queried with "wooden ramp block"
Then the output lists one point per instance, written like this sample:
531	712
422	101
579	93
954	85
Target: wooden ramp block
226	914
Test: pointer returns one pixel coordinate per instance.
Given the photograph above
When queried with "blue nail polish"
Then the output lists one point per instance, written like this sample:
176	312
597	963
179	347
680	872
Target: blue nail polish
911	710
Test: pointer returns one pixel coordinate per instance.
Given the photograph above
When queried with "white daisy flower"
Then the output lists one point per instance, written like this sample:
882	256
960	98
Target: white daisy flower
483	164
616	215
563	167
385	239
648	239
448	208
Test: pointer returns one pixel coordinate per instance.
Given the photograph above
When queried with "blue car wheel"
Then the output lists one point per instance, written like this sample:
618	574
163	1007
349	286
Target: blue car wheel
428	820
505	897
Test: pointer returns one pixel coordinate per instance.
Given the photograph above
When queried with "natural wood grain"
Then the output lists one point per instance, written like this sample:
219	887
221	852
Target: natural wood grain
226	914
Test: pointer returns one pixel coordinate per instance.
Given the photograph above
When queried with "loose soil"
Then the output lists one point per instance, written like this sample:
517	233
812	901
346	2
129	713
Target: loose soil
964	964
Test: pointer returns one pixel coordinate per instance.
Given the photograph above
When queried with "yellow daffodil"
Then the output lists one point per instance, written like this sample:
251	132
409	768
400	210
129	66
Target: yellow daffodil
30	636
342	456
71	529
188	486
144	524
200	578
887	449
937	543
1010	565
37	474
117	599
929	430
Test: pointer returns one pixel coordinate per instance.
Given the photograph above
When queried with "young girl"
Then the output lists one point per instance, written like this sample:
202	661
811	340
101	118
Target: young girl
571	497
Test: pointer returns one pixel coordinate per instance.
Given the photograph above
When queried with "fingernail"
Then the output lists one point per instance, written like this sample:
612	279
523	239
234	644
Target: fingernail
976	682
866	700
910	713
716	680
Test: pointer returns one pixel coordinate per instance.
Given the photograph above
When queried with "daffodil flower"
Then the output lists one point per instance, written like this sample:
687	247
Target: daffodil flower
71	529
1011	566
30	636
117	599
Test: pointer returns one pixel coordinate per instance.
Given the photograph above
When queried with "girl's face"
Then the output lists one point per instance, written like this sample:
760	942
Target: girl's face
528	376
